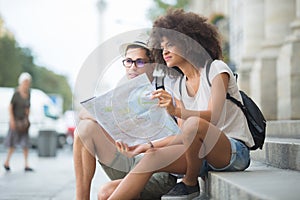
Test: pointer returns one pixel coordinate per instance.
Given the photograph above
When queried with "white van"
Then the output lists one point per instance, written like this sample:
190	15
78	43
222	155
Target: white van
44	115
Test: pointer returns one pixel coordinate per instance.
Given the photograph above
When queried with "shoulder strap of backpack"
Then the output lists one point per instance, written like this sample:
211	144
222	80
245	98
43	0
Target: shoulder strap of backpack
228	96
160	82
235	101
180	86
207	72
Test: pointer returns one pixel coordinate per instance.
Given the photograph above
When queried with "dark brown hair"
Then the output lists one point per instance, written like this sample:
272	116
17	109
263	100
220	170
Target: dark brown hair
198	40
135	46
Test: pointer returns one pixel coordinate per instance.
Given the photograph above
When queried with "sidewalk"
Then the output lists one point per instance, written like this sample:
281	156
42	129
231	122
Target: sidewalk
53	177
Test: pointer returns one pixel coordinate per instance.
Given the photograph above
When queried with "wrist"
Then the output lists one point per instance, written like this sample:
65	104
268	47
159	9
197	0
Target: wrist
151	144
177	112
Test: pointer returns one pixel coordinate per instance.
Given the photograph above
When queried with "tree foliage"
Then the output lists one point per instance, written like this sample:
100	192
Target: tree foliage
160	7
10	61
220	20
14	60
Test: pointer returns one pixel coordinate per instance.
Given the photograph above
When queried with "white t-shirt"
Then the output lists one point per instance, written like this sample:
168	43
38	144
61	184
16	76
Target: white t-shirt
232	120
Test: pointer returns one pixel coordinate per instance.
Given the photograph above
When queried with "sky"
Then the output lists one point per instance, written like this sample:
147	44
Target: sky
63	33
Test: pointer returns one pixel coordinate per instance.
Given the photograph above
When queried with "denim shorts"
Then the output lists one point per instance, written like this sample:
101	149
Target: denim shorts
240	159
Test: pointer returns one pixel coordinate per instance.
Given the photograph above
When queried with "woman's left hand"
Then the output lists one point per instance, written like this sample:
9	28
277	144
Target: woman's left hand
165	100
131	151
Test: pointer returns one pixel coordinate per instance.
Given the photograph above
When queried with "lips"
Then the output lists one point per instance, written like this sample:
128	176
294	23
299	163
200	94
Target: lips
167	58
132	75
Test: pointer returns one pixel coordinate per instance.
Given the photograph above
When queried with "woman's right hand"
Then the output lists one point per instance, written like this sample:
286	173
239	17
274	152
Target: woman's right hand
165	100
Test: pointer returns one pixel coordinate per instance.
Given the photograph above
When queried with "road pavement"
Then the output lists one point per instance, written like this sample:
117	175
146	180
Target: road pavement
53	177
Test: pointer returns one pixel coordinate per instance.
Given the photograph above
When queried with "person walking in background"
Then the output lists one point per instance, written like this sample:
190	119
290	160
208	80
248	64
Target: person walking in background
19	121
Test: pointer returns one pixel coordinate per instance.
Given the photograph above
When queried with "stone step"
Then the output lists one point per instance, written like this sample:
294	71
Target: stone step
259	181
279	152
283	129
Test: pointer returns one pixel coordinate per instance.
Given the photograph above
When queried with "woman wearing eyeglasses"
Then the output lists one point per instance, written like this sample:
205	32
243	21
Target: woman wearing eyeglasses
92	140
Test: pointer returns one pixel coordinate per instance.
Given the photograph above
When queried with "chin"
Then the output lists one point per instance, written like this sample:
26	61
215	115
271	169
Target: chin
132	76
170	65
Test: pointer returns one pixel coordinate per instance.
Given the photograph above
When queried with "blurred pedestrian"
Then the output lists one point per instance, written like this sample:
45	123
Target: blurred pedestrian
19	121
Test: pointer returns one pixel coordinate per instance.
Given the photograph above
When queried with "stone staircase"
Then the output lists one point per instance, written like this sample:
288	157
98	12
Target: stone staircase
273	174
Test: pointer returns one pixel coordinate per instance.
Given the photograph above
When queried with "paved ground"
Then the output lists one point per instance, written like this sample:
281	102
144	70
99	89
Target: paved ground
53	178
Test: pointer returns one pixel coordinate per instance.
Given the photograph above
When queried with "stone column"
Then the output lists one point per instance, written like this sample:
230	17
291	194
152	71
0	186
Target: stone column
288	72
253	31
278	15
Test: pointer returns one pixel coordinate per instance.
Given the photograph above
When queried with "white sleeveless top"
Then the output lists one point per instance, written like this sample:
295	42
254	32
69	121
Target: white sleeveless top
232	120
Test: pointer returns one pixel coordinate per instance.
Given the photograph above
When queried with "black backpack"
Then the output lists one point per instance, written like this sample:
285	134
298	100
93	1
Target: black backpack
255	118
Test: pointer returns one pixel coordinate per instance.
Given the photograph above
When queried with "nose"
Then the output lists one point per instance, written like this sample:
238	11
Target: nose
165	51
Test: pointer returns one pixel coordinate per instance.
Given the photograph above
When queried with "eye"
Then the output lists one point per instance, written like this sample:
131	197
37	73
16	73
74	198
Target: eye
127	62
140	63
169	45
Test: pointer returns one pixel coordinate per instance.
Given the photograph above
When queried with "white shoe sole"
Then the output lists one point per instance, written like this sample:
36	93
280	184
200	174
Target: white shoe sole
185	197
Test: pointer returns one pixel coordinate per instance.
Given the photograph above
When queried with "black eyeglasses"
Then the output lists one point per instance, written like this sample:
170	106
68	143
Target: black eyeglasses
138	62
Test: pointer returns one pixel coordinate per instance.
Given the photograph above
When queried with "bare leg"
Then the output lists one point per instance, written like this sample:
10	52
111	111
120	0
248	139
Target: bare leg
9	154
25	153
107	189
90	140
135	181
205	142
84	165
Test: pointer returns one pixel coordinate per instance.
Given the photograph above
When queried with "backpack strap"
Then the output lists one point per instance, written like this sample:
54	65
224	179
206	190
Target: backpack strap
235	101
160	82
180	85
207	72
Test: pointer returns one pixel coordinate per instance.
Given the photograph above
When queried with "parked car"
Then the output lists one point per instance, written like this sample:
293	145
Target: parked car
44	115
69	118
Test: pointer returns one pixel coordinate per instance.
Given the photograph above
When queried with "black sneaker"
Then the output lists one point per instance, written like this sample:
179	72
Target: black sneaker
182	191
28	169
6	167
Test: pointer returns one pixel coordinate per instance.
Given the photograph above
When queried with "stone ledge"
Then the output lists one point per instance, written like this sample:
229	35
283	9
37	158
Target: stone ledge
259	181
279	152
283	129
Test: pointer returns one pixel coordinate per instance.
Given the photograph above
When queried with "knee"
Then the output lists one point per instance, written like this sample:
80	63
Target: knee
191	126
104	192
85	128
84	134
194	127
85	125
102	195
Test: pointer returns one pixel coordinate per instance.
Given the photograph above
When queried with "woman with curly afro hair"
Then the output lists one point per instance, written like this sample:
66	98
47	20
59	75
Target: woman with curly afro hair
214	131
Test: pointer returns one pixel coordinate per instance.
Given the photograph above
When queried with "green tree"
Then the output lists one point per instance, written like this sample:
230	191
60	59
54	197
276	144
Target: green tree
27	61
14	60
10	62
161	6
50	82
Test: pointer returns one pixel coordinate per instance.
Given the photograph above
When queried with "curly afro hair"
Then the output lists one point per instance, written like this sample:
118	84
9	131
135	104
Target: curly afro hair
197	38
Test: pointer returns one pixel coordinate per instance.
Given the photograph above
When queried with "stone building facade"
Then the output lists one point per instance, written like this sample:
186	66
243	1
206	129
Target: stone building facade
264	37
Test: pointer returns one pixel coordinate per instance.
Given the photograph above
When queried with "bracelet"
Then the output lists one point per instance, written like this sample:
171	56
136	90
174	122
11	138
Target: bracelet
151	144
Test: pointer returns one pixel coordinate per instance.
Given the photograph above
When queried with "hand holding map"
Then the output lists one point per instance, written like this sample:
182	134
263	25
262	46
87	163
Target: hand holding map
129	114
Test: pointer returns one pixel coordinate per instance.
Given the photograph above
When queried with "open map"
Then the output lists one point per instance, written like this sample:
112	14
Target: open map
128	113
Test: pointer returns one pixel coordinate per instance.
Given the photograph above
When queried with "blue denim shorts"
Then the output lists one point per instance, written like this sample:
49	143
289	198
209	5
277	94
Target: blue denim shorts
240	159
